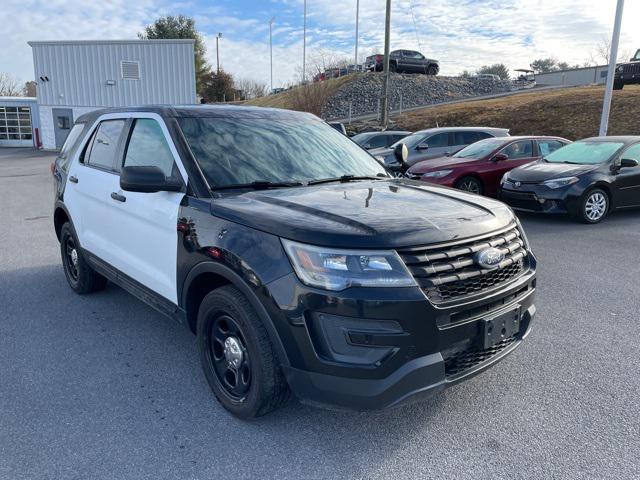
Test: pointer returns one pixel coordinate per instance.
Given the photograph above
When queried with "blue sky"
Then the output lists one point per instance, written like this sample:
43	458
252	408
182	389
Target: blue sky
462	34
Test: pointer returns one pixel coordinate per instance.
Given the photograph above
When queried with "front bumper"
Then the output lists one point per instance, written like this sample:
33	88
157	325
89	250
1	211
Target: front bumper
365	349
538	198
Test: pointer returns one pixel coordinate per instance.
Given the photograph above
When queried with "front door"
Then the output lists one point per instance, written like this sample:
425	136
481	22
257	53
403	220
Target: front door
144	233
628	179
518	153
62	123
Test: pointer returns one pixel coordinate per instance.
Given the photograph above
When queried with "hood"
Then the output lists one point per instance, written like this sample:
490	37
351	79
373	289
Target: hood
365	214
439	163
540	171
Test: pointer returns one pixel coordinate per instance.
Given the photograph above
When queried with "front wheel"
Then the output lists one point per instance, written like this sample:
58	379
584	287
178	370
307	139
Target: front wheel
594	206
238	359
470	184
432	70
618	85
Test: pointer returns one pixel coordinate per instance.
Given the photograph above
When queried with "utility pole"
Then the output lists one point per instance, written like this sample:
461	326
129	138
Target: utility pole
271	52
385	94
608	91
355	62
304	44
218	37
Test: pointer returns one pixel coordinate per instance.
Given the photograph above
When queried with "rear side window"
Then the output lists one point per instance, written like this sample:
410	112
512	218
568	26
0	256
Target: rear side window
549	146
378	141
483	135
105	144
148	147
517	150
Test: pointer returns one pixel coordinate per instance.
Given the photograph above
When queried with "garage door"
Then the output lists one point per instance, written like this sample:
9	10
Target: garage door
15	127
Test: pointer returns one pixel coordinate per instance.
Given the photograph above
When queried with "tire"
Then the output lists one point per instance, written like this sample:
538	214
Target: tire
618	85
470	184
393	68
594	206
80	276
237	356
432	70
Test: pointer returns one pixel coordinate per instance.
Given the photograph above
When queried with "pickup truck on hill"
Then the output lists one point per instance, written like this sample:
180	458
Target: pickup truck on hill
404	61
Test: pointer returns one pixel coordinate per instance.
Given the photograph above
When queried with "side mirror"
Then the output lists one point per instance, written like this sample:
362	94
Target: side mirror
500	157
628	163
401	152
147	180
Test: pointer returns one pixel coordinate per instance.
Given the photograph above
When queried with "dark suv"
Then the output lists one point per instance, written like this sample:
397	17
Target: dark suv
627	73
404	61
287	249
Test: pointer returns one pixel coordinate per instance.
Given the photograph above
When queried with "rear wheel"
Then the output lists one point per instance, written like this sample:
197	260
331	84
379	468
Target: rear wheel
81	277
237	356
618	85
594	206
470	184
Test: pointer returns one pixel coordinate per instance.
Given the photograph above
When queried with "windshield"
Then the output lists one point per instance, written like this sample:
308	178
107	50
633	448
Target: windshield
637	56
412	140
233	151
585	152
480	149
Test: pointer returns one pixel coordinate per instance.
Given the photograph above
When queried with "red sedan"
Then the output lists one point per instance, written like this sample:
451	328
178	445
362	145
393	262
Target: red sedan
479	167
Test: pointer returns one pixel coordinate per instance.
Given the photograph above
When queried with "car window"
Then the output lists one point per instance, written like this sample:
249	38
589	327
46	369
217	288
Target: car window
377	141
483	135
586	152
148	147
517	150
71	138
394	138
549	146
465	138
438	140
633	152
105	144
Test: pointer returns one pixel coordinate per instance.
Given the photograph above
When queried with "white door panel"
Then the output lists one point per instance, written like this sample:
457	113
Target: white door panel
146	238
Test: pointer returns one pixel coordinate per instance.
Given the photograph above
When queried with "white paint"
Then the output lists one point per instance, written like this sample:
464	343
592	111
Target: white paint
139	236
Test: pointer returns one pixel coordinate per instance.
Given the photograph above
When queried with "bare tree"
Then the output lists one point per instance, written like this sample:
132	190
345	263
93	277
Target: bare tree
251	88
602	51
9	86
30	89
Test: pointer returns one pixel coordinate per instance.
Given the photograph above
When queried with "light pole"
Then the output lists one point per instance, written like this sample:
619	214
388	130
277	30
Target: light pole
357	25
218	37
304	43
608	91
271	52
385	94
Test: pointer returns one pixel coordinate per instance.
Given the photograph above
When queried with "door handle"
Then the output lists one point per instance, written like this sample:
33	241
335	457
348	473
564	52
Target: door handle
73	179
118	197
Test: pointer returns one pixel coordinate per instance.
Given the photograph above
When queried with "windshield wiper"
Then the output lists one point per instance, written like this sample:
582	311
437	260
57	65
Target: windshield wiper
344	179
258	185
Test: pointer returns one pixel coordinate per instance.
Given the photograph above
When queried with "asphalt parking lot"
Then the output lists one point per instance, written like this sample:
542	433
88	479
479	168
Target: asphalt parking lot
102	386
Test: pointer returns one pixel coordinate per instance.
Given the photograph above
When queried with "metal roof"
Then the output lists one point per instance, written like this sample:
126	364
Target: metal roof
107	42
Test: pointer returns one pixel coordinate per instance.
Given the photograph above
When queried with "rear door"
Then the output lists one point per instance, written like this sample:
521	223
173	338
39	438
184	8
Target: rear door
145	236
89	182
436	145
461	139
628	179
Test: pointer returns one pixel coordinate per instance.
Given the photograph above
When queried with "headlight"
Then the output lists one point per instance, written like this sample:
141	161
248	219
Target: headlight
336	269
621	68
560	182
505	177
438	174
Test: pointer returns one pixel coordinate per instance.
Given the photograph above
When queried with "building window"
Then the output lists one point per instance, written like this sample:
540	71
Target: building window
130	70
15	123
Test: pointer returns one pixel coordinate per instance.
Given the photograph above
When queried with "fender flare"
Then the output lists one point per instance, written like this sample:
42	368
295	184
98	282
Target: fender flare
237	281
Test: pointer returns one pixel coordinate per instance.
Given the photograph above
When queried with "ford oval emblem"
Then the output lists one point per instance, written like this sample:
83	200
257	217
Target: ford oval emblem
489	258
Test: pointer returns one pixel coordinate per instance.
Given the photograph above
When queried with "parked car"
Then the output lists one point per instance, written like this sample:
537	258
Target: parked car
587	179
300	265
404	61
434	143
627	73
370	140
486	76
479	167
339	127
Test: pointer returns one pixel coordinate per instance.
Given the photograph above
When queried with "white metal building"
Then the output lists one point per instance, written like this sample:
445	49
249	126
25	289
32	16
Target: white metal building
19	122
574	76
75	77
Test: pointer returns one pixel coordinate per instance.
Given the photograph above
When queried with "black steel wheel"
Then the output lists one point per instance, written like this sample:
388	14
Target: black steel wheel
237	355
80	276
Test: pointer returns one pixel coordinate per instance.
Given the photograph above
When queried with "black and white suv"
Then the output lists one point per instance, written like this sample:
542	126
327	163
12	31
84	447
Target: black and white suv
287	249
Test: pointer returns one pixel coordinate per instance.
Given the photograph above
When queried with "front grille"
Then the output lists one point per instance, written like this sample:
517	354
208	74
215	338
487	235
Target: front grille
449	272
467	359
631	69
